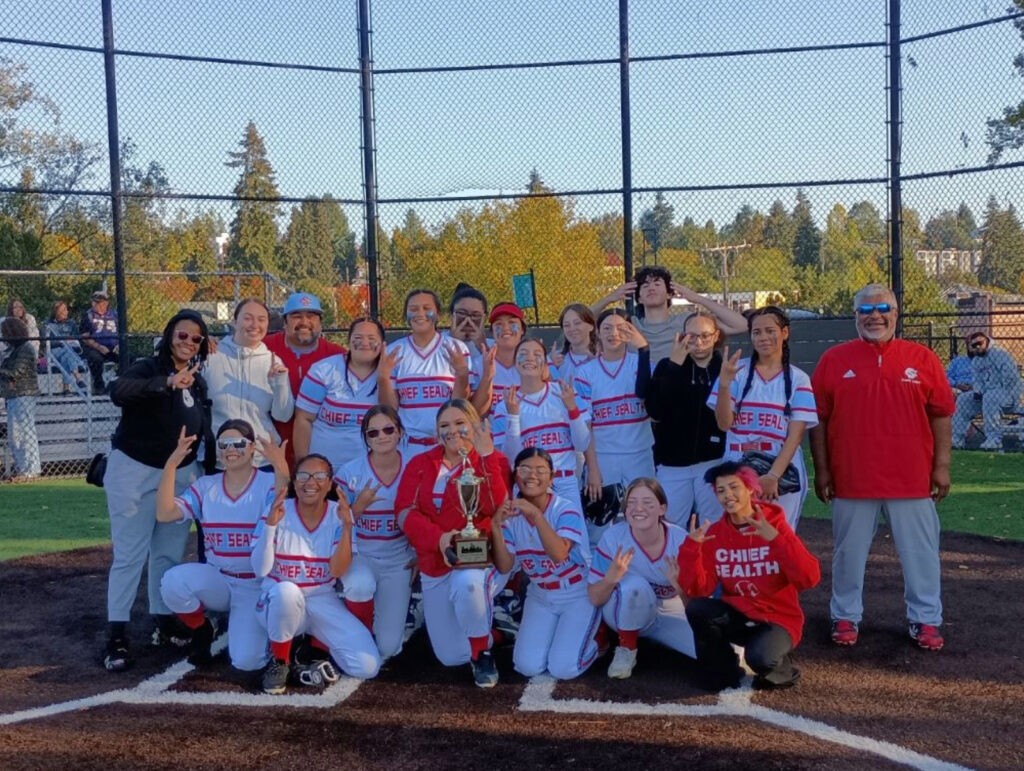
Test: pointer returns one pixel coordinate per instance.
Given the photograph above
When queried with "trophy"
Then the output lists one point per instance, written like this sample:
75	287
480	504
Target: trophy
471	546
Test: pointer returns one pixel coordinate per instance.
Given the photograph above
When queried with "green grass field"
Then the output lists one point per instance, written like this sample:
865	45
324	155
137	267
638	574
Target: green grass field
987	499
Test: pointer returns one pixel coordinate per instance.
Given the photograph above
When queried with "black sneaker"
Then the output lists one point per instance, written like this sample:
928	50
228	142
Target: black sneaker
275	677
171	630
116	657
199	654
485	671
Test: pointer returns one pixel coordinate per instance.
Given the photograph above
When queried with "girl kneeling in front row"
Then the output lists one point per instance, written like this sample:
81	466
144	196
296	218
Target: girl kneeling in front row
629	577
761	565
302	547
546	536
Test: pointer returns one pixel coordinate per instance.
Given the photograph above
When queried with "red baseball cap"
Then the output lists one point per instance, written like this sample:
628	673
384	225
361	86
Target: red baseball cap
507	309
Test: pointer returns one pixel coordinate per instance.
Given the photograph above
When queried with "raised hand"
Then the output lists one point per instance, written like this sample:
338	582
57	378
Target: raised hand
183	378
512	400
277	507
388	362
272	451
683	291
483	438
620	563
184	445
367	497
344	510
568	394
623	293
699	534
528	510
633	336
456	359
488	360
556	355
276	367
681	346
764	528
730	365
502	513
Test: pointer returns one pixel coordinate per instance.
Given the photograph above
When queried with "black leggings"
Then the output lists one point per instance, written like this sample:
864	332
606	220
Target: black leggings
767	647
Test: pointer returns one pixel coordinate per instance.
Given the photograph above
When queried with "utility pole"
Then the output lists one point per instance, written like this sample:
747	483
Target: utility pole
726	256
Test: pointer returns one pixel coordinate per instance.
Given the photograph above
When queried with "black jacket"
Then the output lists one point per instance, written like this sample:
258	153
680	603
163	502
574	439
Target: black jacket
152	415
685	429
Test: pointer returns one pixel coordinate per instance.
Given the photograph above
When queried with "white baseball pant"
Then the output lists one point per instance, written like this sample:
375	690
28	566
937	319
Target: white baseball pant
633	605
285	612
389	584
186	587
557	632
458	606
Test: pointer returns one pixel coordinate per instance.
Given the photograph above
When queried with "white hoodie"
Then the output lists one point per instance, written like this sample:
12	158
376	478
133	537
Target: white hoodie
240	385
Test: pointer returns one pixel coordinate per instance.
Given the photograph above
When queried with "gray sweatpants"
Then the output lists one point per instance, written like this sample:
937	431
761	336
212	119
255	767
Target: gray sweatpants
131	503
915	529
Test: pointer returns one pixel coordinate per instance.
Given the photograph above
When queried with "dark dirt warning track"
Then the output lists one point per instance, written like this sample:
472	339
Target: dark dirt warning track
883	704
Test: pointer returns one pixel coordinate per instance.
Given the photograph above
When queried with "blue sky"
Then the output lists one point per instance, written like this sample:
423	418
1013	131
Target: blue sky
735	120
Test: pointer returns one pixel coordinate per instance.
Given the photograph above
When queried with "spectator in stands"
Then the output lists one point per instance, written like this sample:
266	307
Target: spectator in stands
65	348
653	290
882	443
960	374
996	388
16	309
19	387
99	337
246	380
299	346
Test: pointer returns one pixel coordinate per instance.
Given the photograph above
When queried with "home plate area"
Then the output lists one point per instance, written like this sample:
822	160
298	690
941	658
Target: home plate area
882	704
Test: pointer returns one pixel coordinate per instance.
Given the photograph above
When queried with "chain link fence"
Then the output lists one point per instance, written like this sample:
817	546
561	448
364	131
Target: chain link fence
758	151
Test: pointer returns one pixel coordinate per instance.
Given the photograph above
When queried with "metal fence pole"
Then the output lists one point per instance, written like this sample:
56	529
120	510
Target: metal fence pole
895	157
114	149
627	160
369	153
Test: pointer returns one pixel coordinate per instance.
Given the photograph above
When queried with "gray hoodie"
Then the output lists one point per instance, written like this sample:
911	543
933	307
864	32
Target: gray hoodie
240	385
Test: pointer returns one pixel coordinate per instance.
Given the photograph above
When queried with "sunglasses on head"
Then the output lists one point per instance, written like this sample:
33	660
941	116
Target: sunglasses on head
868	308
233	444
305	476
373	433
196	339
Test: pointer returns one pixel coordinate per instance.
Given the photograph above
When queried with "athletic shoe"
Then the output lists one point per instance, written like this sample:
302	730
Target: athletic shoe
199	646
845	632
991	444
116	657
485	671
275	677
414	618
171	630
622	663
318	674
504	623
927	636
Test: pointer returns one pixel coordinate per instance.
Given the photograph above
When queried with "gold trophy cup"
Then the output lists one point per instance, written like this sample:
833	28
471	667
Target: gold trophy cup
471	545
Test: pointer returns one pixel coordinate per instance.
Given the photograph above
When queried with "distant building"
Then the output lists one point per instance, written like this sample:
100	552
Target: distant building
938	262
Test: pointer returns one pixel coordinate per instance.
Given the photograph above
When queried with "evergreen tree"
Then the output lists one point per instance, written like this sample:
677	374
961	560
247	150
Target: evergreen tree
779	229
1002	247
656	223
254	228
807	240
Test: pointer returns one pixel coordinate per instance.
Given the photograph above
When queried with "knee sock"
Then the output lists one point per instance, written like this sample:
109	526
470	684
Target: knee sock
479	645
601	636
195	619
282	651
628	638
363	611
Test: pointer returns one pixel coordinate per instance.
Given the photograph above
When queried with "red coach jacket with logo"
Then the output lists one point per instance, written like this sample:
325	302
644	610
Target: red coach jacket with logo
761	579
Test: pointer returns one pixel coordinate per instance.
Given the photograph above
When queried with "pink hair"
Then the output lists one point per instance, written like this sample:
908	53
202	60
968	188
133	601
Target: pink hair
750	480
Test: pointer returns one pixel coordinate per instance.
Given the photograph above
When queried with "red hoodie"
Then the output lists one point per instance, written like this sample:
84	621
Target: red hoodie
759	578
425	523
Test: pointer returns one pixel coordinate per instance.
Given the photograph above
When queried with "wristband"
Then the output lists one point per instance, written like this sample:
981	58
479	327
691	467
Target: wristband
773	475
574	413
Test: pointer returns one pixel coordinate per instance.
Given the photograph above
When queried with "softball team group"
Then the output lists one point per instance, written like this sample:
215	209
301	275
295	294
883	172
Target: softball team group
608	525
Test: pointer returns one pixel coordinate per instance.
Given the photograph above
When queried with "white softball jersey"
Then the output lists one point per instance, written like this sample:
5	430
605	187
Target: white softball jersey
650	567
524	543
376	529
607	390
423	380
228	523
339	399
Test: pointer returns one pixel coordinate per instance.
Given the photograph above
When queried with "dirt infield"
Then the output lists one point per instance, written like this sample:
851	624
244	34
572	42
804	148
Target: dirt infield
882	704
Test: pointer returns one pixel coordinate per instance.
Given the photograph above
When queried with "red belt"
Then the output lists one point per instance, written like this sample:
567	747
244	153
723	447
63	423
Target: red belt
423	442
558	584
747	446
237	575
563	474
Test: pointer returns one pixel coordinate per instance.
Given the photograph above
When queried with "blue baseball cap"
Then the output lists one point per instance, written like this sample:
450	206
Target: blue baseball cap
302	301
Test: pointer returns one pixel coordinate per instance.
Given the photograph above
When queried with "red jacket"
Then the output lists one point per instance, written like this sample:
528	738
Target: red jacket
876	403
425	524
760	578
298	366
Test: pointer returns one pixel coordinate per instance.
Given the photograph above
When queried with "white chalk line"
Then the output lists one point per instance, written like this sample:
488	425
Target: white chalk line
156	690
538	696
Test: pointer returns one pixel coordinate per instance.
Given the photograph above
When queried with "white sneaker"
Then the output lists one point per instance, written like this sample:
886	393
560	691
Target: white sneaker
622	663
992	444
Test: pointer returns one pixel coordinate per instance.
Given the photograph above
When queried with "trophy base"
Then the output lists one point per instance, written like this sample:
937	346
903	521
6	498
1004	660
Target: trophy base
471	551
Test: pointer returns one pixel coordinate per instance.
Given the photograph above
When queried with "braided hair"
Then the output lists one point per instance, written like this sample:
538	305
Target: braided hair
783	321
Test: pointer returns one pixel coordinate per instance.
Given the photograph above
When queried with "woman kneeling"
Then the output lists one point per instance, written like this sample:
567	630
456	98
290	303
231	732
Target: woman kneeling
761	565
302	547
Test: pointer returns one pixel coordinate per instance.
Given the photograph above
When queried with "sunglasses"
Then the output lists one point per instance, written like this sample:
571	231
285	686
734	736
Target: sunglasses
305	476
978	344
233	444
868	309
196	339
373	433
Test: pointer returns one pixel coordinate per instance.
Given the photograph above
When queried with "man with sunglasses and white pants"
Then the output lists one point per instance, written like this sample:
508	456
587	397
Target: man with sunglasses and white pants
883	444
